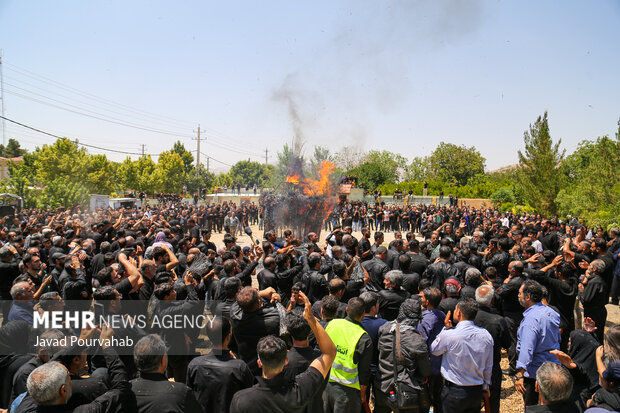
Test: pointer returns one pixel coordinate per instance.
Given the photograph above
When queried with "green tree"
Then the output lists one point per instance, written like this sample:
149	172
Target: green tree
592	190
539	175
249	173
63	192
503	195
394	162
455	163
61	159
186	157
101	175
146	180
169	174
12	149
371	175
418	169
127	173
223	179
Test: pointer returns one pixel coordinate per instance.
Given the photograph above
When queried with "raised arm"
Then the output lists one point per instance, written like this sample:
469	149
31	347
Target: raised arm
323	363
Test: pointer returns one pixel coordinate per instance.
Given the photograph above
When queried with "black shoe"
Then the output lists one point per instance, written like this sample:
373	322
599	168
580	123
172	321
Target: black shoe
509	372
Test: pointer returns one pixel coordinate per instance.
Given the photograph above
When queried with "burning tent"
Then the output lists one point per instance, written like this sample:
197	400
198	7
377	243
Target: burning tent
300	204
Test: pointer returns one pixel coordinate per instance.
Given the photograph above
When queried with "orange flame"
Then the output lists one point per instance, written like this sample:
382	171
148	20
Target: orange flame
321	186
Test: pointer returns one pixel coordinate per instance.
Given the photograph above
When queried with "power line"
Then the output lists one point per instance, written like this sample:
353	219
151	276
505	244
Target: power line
43	79
97	117
133	115
79	143
213	159
213	134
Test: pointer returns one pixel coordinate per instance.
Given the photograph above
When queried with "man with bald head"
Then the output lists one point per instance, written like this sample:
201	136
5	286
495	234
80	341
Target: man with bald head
496	325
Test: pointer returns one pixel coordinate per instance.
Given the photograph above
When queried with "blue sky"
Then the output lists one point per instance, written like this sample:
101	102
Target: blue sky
395	75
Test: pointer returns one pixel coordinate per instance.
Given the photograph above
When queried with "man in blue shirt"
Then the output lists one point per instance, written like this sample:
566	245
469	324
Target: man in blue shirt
539	333
429	327
22	294
467	360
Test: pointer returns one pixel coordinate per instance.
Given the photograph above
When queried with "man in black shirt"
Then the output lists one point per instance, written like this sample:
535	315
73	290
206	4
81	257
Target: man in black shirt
251	320
363	249
301	355
392	296
152	391
418	261
496	325
274	391
216	377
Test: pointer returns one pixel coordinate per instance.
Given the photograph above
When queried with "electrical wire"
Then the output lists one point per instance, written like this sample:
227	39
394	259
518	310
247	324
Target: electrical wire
211	132
79	143
43	79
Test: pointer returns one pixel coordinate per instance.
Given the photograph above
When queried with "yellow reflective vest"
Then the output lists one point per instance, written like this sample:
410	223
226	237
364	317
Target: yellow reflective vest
345	336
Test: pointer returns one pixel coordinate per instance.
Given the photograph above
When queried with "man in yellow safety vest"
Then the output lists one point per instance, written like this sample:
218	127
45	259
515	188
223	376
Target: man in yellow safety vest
350	373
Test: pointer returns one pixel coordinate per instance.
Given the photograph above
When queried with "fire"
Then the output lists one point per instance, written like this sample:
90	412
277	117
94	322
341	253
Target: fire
321	186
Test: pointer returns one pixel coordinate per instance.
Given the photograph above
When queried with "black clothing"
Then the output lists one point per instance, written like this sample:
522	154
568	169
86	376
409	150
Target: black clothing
390	301
316	285
248	328
418	263
411	282
13	342
448	304
363	246
392	258
266	278
416	365
299	359
509	293
564	407
376	269
154	393
500	261
279	394
340	313
461	399
110	401
497	327
594	297
439	272
175	338
21	376
216	377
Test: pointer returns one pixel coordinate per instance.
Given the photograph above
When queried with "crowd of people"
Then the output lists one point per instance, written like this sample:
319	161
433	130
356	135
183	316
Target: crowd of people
341	324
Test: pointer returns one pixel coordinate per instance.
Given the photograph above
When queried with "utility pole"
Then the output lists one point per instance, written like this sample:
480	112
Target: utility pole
2	99
197	139
142	150
208	164
266	156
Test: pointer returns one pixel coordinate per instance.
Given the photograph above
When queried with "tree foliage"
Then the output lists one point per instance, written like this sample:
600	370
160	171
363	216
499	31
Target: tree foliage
592	190
539	175
455	163
250	173
419	169
12	149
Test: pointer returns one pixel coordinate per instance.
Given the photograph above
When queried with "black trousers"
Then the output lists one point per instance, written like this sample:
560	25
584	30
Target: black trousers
513	322
341	399
461	399
435	386
530	398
